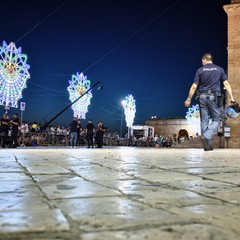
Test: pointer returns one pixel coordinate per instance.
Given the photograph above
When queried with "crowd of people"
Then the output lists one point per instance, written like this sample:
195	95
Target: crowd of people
13	134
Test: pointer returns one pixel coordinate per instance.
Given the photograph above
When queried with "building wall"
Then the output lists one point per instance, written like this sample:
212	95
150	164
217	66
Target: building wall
170	127
233	13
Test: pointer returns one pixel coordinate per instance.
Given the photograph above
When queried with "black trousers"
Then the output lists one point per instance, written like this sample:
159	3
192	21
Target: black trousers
14	138
3	138
90	139
100	139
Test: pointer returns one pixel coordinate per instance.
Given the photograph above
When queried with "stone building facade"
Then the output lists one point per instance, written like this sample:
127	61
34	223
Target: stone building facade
172	127
233	13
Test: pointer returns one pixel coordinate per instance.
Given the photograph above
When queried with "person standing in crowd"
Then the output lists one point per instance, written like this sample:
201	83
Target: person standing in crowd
100	132
15	122
208	81
34	127
90	128
73	133
24	128
79	132
4	122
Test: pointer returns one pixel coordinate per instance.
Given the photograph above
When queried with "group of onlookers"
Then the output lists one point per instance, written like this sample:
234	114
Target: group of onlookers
76	130
13	134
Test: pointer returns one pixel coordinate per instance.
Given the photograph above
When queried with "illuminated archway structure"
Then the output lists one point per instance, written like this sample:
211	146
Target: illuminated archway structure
78	86
13	74
193	118
129	110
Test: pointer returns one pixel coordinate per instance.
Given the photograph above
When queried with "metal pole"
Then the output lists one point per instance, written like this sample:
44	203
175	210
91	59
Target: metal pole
7	108
121	124
21	116
97	83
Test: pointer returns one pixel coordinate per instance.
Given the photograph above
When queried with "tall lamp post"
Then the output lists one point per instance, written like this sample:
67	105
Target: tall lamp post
123	104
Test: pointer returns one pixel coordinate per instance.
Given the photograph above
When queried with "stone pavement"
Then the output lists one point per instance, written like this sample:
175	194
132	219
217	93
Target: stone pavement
121	193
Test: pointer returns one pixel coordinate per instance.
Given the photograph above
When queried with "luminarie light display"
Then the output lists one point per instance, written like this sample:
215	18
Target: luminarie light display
129	110
193	118
77	87
13	74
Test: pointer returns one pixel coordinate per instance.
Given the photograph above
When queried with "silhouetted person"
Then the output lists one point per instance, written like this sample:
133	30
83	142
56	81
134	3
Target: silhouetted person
73	132
4	122
100	132
15	122
90	128
79	132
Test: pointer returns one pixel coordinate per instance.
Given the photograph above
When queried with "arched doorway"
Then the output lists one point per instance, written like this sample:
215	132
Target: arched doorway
183	135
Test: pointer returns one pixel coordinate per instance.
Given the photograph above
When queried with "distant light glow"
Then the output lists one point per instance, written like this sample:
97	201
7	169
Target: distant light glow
129	110
123	102
78	86
13	74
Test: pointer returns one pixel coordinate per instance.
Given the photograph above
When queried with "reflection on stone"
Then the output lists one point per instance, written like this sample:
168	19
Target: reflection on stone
119	193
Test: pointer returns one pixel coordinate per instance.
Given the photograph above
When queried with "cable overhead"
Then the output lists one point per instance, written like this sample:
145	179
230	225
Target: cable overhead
50	89
133	34
101	58
44	19
109	52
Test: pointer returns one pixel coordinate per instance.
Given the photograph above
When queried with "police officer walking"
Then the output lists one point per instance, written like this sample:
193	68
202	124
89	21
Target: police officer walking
208	81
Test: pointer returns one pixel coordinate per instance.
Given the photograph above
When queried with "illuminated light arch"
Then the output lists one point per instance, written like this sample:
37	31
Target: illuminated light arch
193	118
13	74
129	110
78	86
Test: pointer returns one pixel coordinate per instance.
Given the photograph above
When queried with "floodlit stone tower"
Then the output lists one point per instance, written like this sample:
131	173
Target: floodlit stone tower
233	12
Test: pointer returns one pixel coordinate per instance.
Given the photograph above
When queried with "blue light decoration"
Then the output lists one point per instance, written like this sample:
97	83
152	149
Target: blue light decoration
129	110
193	118
77	87
13	74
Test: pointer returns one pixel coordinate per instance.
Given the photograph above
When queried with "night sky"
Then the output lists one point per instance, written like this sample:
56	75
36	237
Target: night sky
148	48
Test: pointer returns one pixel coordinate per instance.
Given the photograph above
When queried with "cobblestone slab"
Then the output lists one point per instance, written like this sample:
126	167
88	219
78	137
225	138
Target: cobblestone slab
229	177
102	173
17	176
186	232
32	220
27	201
59	186
16	185
119	193
9	166
93	213
214	215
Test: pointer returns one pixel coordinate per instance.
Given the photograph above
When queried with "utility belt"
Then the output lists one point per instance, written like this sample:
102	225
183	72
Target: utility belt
211	93
220	98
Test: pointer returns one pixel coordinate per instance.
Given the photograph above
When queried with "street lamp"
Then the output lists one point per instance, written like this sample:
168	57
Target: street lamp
123	104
